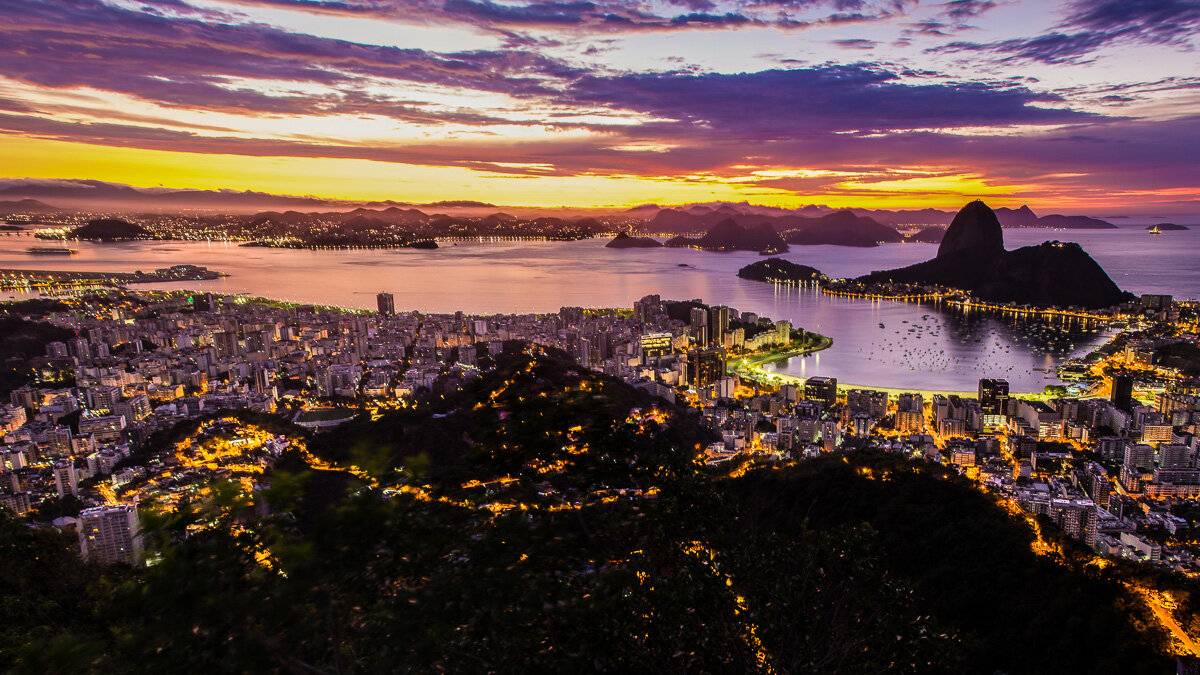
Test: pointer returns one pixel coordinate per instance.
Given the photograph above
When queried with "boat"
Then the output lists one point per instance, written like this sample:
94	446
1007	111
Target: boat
50	250
1155	230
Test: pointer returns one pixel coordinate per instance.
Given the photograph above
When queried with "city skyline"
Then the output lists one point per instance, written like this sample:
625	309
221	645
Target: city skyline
1070	106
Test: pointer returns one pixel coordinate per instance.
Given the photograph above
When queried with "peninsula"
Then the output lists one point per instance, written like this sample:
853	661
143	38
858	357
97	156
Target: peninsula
13	279
972	257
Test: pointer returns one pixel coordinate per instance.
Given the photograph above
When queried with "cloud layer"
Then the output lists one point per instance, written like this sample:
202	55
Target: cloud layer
534	94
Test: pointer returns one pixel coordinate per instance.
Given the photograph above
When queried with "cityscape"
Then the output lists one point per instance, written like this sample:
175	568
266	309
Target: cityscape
698	336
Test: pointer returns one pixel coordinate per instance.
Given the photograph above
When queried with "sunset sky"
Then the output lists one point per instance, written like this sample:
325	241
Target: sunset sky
1084	106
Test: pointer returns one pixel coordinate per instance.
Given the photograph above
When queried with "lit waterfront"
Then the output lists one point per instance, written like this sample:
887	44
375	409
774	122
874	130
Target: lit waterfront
945	349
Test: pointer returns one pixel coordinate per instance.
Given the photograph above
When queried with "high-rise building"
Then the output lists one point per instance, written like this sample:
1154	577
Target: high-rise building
386	303
203	302
261	378
699	323
705	366
571	316
718	323
823	389
1122	391
226	343
65	478
110	534
655	345
993	396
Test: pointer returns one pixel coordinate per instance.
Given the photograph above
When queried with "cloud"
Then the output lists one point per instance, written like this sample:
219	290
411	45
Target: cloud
683	124
856	43
780	103
1091	25
189	63
962	10
605	16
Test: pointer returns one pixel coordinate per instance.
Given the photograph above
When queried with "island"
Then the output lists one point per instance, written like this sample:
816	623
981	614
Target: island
778	270
972	258
1167	227
623	240
110	229
15	279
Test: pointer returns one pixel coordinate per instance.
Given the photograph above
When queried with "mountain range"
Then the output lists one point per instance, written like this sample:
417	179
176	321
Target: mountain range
95	196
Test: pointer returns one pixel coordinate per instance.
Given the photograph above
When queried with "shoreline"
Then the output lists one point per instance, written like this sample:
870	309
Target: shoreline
747	367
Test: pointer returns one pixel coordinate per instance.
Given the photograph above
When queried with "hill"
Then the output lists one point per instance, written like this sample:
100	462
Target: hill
843	228
109	229
972	257
623	240
928	235
778	269
727	235
1022	217
26	206
552	519
1075	223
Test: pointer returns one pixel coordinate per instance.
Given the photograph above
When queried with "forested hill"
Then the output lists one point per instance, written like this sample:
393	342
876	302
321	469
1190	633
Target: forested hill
548	518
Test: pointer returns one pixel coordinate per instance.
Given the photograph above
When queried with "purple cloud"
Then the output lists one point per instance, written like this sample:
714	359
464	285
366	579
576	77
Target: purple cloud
780	103
1092	25
604	16
856	43
186	62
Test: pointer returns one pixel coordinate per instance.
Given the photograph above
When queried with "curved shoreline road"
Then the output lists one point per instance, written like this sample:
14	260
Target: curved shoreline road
750	367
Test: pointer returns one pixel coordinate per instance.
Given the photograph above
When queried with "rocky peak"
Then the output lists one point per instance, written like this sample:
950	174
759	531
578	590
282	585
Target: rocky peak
975	230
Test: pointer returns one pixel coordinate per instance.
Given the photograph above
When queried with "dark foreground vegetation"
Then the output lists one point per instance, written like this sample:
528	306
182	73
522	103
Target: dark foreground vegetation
548	519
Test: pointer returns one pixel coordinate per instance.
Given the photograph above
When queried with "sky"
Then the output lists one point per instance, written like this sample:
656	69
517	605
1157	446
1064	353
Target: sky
1074	106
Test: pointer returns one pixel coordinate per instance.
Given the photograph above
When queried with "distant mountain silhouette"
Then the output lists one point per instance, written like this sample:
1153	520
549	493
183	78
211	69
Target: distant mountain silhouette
26	206
727	235
96	195
1022	217
928	235
459	203
696	218
843	228
1074	222
972	257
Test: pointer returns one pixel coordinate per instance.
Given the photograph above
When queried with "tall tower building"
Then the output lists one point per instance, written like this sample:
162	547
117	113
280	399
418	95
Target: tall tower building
718	323
699	322
993	396
993	401
1122	391
386	303
110	534
65	478
705	366
226	343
